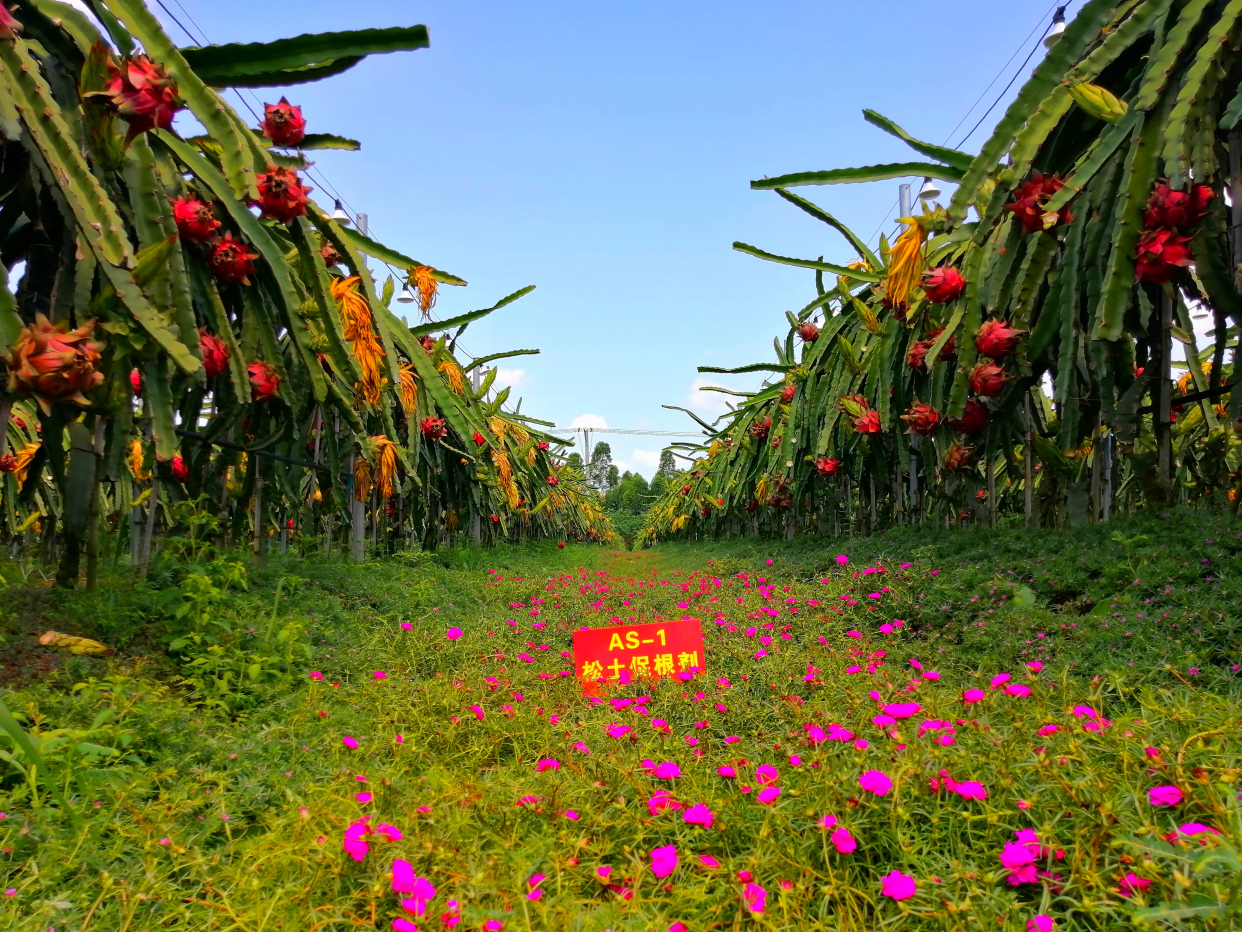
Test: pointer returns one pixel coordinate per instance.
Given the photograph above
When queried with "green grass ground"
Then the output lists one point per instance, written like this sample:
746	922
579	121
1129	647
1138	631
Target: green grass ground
213	789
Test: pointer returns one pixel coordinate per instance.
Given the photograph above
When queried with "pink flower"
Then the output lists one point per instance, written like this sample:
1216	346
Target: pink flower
661	802
897	885
547	764
453	633
1164	796
420	892
794	760
678	927
478	712
1191	829
1014	856
765	774
842	559
1039	924
380	675
354	841
1132	883
755	896
709	862
973	695
972	790
726	771
768	795
827	822
603	871
403	925
902	709
533	886
1035	666
1000	680
667	771
1047	730
349	742
1020	690
843	841
581	747
619	731
570	814
364	797
698	815
406	626
875	781
316	675
664	860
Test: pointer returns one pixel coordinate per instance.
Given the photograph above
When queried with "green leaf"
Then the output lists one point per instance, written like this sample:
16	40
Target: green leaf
742	370
287	78
328	141
392	257
462	319
856	175
1162	61
820	214
1024	597
809	264
951	157
224	64
484	360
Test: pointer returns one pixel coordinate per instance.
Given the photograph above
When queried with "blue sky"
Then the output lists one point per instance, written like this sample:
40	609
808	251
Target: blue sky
603	153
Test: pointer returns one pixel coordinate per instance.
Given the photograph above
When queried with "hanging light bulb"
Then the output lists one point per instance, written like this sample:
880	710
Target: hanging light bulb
1057	29
406	296
339	214
930	191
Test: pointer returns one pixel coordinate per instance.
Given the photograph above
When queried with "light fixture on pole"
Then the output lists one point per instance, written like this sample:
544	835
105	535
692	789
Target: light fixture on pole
339	214
930	191
406	296
1057	29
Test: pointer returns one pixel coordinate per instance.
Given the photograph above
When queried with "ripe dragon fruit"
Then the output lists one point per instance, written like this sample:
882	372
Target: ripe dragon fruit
996	339
215	353
1159	254
943	284
232	260
974	417
434	428
282	195
921	419
54	363
988	379
264	382
1029	203
142	95
958	457
283	123
195	221
759	429
808	332
179	470
826	466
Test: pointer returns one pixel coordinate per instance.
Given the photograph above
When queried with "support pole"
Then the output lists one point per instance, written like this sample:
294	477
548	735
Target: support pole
1235	197
1028	467
1164	395
358	522
1107	509
991	475
256	544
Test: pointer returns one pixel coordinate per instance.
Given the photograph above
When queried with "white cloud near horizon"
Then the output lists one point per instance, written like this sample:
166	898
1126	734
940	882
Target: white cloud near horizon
510	378
706	402
646	457
588	420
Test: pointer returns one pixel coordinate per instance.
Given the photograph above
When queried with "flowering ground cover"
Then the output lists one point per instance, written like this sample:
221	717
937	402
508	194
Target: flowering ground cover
1012	730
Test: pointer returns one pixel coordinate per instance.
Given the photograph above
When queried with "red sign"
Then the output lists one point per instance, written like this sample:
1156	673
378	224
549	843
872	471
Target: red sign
650	651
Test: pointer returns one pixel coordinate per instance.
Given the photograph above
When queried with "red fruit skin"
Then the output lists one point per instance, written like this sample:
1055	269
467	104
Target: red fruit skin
974	418
552	480
1169	209
282	195
958	457
434	428
8	462
283	123
195	221
988	379
135	381
543	444
560	545
808	332
943	285
232	260
215	353
997	340
788	392
826	466
759	429
921	419
1029	203
1159	254
479	439
180	471
9	29
142	95
868	422
264	382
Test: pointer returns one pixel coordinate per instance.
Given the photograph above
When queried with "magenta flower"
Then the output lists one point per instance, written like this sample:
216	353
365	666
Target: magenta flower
547	764
581	747
421	892
1132	883
453	633
1035	666
768	795
1191	829
406	626
897	885
1021	690
661	802
664	861
603	871
709	862
875	781
972	789
570	814
354	842
827	822
843	841
1000	680
533	886
403	925
380	675
698	814
1047	730
902	709
1015	856
478	712
815	734
726	771
667	771
349	742
842	559
1039	924
755	896
972	696
316	675
1164	796
765	774
619	731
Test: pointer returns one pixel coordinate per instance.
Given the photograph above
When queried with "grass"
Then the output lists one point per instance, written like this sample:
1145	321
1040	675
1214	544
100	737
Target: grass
213	789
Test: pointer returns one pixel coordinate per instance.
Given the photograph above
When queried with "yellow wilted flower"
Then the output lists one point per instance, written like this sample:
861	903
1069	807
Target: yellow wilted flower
451	522
905	262
520	434
24	457
357	325
409	388
384	464
318	495
74	645
498	426
362	479
761	489
532	454
427	287
135	461
453	375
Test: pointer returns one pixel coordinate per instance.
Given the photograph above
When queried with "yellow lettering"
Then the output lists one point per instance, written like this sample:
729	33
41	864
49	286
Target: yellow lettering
615	643
631	639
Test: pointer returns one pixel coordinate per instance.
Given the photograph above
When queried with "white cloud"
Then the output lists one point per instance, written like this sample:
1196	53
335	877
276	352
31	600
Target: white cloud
646	457
512	378
588	420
